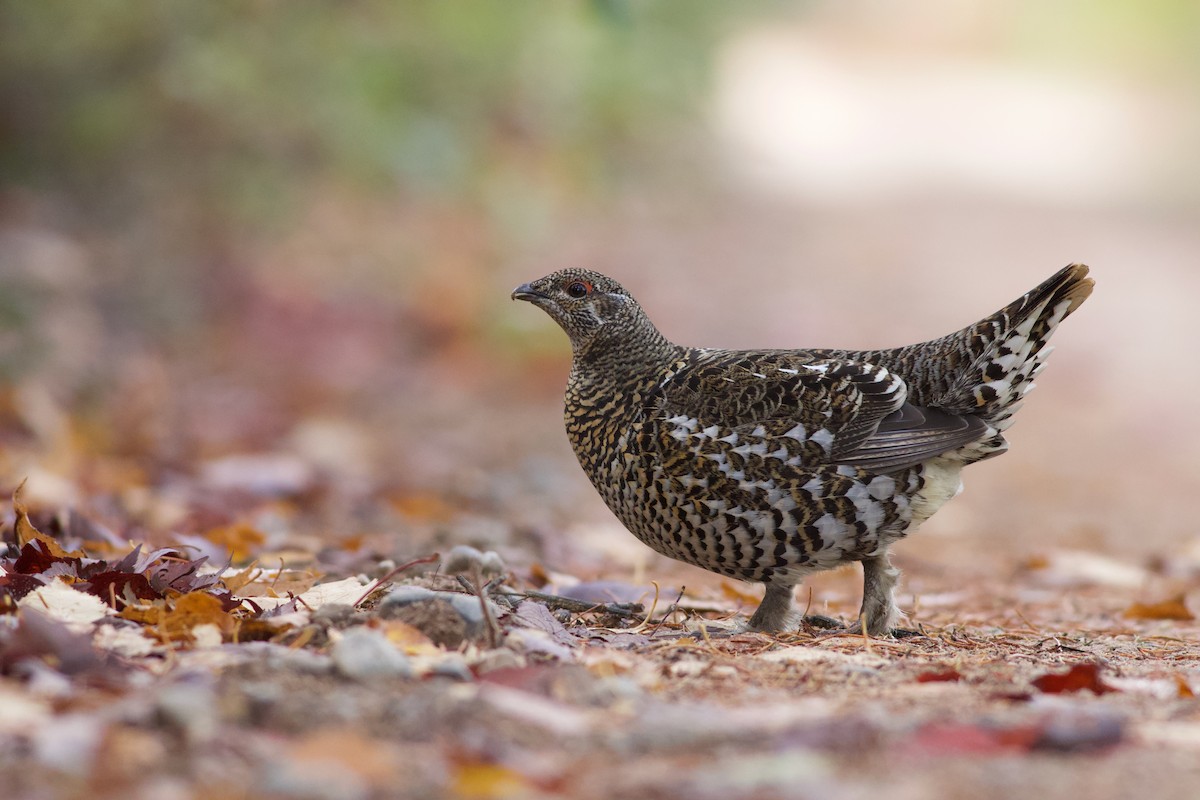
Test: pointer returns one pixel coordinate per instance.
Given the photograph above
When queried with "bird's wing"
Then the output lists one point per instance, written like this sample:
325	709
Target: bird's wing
806	413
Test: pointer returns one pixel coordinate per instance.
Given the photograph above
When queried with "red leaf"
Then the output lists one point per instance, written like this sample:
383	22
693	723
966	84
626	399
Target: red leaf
36	557
119	589
950	738
1077	678
939	676
17	585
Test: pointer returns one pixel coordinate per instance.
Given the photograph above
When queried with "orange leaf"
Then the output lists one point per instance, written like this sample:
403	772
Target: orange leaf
735	592
410	639
1077	678
190	610
1171	608
484	781
240	539
422	507
1183	690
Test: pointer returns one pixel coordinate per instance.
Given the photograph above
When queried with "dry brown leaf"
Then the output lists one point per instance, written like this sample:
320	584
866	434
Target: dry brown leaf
734	591
1171	608
172	621
26	532
408	638
1183	689
256	582
240	540
422	507
479	781
235	581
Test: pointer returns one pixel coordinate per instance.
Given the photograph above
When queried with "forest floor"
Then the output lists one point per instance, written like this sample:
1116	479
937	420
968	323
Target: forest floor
208	587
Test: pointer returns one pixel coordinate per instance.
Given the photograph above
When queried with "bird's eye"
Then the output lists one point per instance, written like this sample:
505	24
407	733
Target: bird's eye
579	289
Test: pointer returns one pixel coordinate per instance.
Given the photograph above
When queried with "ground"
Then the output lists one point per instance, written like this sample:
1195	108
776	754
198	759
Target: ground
267	639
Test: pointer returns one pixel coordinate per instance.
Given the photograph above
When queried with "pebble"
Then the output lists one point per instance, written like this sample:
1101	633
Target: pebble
464	559
363	654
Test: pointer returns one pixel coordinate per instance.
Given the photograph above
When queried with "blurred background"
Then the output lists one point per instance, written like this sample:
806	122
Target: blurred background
255	257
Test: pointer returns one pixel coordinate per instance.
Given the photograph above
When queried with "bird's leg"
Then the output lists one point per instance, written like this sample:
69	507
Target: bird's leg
878	605
774	614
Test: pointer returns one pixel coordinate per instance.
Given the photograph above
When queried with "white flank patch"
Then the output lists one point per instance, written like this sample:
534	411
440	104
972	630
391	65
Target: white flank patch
789	371
882	487
798	433
830	528
824	438
687	423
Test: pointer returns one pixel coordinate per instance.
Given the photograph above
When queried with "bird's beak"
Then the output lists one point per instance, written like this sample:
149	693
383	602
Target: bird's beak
526	292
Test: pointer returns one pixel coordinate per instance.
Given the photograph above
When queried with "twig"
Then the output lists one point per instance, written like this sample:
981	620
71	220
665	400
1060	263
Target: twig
640	626
623	610
671	609
393	573
492	626
707	639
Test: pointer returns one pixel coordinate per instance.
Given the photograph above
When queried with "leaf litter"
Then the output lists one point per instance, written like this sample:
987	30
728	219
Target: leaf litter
410	681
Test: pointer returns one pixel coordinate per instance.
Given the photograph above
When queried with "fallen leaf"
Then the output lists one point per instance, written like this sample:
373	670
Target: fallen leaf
479	781
1171	608
1184	690
1077	678
175	623
734	591
63	603
422	507
407	637
27	533
119	589
939	676
956	738
239	540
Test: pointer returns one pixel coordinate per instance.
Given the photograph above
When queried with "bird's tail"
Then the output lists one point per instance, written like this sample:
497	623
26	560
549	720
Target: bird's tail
985	370
1009	347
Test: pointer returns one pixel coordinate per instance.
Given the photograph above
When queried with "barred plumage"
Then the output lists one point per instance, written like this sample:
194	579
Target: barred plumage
769	465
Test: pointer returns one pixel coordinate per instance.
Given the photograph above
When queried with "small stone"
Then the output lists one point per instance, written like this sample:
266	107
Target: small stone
404	595
363	654
462	558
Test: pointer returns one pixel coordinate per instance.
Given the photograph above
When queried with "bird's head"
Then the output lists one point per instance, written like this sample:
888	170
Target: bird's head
585	304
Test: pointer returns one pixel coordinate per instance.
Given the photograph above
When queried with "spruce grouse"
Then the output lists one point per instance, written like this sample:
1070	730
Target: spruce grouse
766	465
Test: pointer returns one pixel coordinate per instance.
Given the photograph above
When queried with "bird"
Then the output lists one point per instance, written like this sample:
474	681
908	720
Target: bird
769	465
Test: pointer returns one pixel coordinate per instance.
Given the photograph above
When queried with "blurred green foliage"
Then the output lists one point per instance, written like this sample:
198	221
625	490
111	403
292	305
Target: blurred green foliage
237	102
164	135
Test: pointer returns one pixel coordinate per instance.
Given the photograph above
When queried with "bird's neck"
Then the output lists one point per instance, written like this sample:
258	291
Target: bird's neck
623	362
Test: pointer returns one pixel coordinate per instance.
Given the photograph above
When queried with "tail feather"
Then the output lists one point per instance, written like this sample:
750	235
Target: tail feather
1009	347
